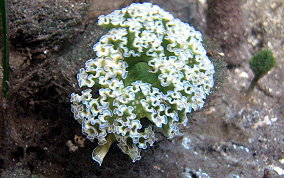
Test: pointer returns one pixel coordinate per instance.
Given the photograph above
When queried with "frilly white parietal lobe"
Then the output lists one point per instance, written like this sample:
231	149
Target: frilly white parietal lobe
149	66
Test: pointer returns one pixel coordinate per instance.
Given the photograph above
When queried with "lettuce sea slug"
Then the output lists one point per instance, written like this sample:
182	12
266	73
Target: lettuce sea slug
151	70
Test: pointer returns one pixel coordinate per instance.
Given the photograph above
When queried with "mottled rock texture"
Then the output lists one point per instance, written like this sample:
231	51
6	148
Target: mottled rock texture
225	24
40	26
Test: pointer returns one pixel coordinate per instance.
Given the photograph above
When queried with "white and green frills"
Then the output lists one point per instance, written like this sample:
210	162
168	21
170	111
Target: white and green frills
149	65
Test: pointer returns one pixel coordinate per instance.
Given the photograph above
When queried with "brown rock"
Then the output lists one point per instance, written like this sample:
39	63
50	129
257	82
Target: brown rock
43	25
225	24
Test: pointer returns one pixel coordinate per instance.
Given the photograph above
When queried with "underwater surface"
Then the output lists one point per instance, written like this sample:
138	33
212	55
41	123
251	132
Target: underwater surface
236	134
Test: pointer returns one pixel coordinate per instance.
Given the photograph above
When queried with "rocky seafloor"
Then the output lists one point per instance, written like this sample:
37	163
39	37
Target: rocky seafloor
236	135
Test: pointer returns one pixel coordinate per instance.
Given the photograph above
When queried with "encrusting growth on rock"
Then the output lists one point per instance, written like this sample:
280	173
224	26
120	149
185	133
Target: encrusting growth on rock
148	66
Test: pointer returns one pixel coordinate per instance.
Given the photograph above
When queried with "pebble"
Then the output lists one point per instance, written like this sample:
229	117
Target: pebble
273	5
244	75
277	169
186	143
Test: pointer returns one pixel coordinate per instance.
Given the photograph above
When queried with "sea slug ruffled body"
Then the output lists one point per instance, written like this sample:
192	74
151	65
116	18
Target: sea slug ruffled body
149	66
